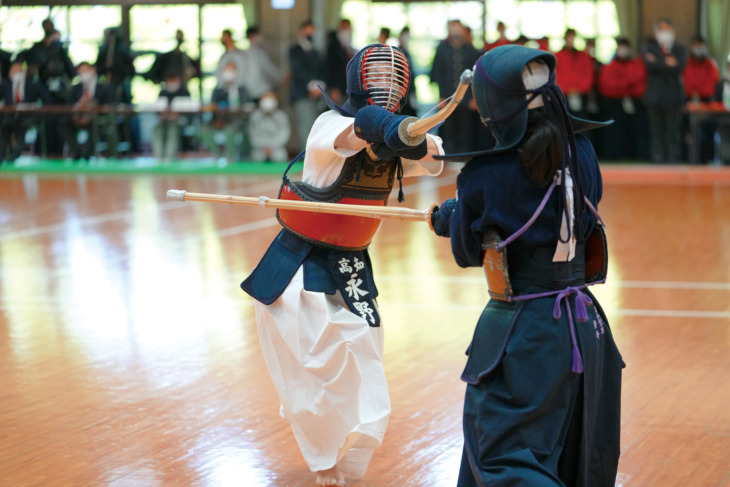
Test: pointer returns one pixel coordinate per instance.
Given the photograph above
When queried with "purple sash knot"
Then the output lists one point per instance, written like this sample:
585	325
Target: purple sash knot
581	314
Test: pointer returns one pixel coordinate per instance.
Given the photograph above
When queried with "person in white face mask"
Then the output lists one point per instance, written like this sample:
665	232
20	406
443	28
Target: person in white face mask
166	141
86	95
270	130
227	125
16	90
700	77
339	53
665	60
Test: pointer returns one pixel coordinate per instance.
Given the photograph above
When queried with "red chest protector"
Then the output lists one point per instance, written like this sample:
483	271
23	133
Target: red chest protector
361	182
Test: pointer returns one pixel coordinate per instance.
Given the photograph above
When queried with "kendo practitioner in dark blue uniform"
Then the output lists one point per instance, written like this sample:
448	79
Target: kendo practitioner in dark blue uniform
543	373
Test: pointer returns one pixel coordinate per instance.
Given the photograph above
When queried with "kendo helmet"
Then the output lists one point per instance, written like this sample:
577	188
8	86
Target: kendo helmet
506	85
377	75
505	88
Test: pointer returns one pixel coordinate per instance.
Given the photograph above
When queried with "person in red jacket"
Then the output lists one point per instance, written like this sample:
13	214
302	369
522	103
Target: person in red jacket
701	74
574	74
621	85
502	39
700	77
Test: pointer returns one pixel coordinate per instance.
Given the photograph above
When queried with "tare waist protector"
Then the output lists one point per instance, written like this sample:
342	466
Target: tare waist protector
500	279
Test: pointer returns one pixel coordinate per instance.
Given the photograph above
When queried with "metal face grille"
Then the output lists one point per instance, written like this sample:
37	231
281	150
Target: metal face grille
385	77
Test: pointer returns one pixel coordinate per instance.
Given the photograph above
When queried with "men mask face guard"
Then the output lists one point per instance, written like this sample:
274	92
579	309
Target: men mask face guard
377	75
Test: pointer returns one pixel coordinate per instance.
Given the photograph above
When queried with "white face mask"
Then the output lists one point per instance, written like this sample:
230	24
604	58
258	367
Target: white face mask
172	87
623	52
345	37
665	38
700	52
229	75
17	76
87	78
268	104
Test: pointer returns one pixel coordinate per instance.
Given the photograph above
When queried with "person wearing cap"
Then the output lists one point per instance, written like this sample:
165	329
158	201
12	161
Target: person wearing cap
543	374
315	296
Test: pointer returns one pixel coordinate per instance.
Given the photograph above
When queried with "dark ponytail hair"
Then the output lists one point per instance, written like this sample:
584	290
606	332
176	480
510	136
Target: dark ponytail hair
541	154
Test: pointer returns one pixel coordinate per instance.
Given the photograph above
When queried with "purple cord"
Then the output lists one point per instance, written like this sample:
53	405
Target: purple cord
581	314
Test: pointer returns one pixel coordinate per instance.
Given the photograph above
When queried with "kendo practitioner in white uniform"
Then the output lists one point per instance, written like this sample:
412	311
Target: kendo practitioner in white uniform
318	321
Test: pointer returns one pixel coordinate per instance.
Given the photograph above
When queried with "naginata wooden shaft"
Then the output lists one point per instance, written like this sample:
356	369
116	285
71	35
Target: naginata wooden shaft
380	212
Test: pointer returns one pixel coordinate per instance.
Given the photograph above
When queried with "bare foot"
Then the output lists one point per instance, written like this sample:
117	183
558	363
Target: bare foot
330	478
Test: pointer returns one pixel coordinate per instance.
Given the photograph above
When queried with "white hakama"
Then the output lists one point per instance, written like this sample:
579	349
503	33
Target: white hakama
326	365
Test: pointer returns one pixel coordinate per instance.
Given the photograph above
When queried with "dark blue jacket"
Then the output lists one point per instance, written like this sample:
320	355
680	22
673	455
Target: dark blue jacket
33	92
102	93
305	66
495	192
664	84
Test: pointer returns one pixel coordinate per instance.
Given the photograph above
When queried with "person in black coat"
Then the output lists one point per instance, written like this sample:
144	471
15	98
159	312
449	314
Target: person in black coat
16	90
115	64
307	73
339	53
175	62
5	58
460	132
664	59
48	60
86	96
411	107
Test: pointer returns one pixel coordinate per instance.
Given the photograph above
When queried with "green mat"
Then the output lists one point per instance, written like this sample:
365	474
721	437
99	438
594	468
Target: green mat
143	165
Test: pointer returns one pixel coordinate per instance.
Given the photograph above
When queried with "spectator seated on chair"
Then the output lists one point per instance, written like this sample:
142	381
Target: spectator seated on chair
270	130
86	97
18	91
166	139
228	97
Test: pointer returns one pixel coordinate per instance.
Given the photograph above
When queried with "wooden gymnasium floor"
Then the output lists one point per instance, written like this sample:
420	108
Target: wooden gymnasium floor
129	355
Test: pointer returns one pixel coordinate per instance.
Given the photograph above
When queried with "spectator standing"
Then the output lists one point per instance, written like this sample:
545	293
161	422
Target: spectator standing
574	74
307	73
5	58
270	131
501	39
260	75
17	89
411	106
174	63
339	53
460	132
166	140
228	96
383	36
593	104
722	94
621	85
664	59
48	60
115	65
86	95
232	54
